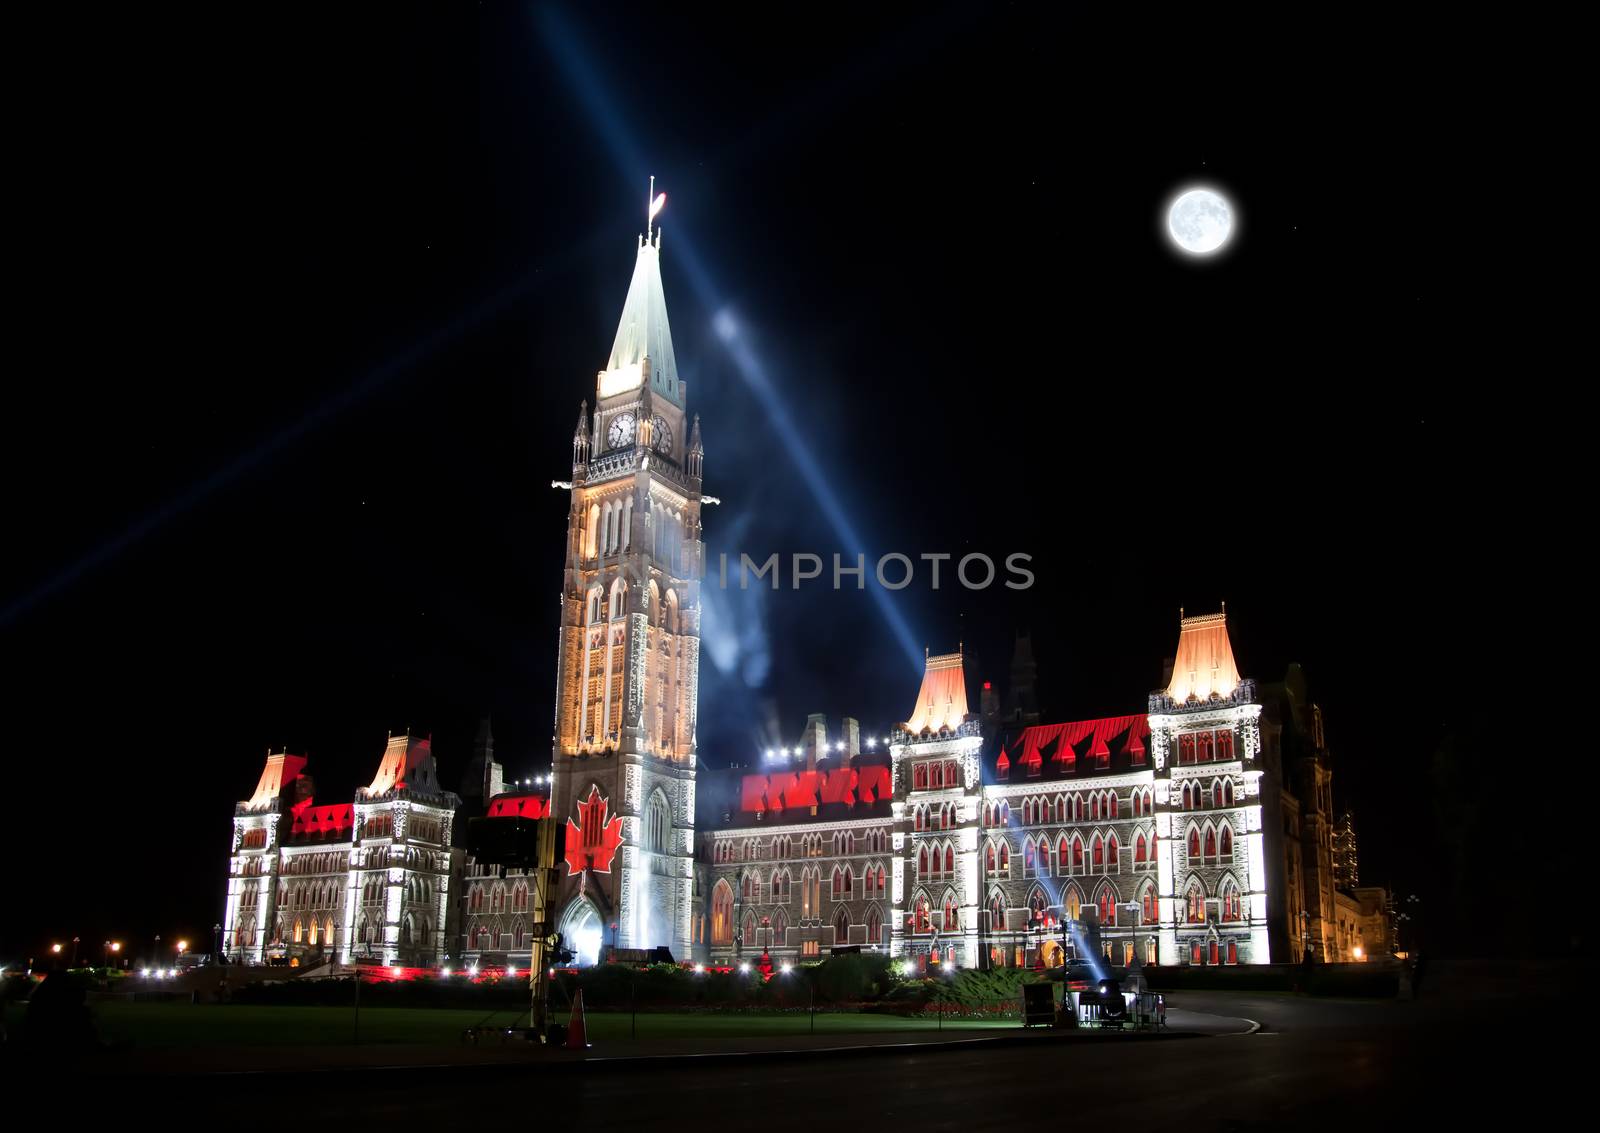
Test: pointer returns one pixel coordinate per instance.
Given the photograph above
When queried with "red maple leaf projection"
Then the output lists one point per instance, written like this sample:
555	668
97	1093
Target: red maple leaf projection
592	841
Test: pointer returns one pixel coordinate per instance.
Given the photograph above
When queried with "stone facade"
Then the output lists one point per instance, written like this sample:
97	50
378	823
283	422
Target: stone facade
368	880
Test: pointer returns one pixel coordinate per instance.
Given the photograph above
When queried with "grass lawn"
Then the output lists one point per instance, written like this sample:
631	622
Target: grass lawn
180	1025
616	1026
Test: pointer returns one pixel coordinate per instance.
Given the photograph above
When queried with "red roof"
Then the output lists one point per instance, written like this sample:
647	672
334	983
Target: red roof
787	790
519	806
312	821
1121	733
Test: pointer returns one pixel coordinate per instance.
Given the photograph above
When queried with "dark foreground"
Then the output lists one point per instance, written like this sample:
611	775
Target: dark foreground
1458	1060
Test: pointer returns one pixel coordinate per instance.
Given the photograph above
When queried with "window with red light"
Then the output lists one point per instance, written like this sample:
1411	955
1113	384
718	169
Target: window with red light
1225	744
923	916
1230	903
1099	855
1227	841
1203	748
1063	858
919	776
1213	951
1186	749
1233	951
1195	955
1194	841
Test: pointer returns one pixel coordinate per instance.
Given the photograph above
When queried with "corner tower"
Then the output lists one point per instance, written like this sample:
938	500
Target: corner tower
1205	738
629	646
937	794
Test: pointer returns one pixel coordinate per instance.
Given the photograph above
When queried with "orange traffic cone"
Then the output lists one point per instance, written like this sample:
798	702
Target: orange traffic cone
577	1033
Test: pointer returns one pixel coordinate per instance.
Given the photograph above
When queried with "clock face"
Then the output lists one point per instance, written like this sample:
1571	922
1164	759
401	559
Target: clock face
621	432
660	434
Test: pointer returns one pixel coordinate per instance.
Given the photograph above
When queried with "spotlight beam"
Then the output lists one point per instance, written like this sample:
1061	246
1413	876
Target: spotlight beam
201	490
572	59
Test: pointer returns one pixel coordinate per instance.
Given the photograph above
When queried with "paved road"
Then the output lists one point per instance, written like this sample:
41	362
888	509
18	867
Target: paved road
1313	1064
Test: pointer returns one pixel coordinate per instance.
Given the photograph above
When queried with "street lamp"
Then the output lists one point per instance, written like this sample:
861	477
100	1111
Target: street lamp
216	931
74	951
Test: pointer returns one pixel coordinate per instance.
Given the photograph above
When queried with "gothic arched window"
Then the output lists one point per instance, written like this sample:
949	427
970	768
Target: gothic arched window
722	914
658	825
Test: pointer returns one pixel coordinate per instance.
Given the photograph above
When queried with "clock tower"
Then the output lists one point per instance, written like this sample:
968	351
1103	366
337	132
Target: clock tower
629	644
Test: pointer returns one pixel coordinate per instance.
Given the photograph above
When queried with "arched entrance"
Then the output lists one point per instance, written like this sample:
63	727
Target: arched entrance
582	931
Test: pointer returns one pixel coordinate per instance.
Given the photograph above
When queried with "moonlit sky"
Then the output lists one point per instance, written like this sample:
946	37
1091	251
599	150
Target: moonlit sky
1201	221
314	309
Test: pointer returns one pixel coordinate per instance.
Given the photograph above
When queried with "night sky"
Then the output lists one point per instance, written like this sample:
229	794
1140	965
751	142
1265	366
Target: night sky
317	304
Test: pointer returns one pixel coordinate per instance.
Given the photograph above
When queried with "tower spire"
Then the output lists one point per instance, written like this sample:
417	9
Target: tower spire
653	205
580	436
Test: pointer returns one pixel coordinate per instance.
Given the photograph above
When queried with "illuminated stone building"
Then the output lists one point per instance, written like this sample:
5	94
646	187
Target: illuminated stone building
628	664
1346	854
366	880
1196	831
1136	835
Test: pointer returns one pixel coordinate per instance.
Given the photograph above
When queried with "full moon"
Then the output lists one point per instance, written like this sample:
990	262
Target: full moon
1200	221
